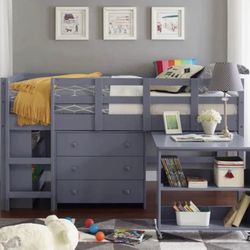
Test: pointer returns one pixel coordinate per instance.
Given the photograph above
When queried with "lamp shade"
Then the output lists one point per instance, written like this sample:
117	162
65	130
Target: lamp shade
225	78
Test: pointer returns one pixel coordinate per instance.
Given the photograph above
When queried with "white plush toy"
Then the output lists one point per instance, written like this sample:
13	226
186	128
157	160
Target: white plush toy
56	234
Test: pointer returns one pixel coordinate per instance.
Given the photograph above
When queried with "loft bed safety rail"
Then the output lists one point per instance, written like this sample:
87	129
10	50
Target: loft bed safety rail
98	96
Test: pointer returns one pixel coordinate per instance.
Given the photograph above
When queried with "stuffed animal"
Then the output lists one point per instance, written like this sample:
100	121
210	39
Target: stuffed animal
56	234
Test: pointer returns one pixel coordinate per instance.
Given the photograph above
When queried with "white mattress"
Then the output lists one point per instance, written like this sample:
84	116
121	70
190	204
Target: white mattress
158	109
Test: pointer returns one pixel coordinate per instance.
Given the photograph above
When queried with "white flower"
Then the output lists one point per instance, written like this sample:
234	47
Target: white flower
209	115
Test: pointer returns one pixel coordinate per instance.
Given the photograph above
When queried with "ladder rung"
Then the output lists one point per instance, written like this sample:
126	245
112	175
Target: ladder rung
31	160
31	194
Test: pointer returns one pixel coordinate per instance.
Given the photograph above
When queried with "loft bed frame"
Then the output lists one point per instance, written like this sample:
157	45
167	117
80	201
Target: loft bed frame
17	155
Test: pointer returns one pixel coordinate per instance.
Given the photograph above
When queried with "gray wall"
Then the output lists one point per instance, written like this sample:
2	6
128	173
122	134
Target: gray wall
35	49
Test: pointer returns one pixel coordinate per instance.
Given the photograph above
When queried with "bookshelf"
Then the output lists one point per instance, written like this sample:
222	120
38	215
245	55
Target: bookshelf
204	166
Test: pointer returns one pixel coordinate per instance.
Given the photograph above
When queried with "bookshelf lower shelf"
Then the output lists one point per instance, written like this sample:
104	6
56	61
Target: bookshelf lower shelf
169	225
209	188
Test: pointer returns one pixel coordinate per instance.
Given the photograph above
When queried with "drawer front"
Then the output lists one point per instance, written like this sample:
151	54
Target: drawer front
100	191
99	144
100	168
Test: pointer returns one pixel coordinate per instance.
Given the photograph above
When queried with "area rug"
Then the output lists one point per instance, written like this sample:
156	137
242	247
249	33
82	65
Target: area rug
191	240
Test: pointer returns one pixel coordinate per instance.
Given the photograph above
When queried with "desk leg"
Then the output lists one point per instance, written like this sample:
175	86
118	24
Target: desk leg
158	232
158	222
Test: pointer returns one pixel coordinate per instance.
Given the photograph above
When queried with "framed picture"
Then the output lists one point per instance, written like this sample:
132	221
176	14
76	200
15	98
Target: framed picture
172	122
119	23
168	23
72	23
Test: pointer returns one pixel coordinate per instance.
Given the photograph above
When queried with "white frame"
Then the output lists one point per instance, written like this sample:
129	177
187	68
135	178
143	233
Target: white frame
177	130
115	10
84	23
181	23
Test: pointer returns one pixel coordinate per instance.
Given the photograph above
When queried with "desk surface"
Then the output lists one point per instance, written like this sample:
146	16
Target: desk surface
164	142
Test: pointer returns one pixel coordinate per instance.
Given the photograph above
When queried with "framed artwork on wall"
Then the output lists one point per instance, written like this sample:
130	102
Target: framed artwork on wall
72	23
172	122
119	23
168	23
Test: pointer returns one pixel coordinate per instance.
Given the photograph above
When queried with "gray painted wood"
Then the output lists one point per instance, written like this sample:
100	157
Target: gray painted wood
99	144
53	201
104	191
98	104
100	168
164	142
166	215
101	135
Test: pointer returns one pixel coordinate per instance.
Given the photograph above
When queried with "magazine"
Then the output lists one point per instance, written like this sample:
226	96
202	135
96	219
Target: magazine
128	236
200	138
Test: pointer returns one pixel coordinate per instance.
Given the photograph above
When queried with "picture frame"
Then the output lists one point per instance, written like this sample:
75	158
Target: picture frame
168	23
119	23
172	122
72	23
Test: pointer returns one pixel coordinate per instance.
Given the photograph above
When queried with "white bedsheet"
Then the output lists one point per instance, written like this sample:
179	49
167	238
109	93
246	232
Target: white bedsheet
158	109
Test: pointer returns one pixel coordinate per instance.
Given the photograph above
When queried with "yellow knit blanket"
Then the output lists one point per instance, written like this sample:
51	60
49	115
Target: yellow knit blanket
32	103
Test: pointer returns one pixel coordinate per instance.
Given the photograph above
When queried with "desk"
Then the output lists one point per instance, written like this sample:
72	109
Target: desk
165	145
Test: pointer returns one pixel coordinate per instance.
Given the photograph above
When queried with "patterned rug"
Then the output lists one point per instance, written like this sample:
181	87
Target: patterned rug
192	240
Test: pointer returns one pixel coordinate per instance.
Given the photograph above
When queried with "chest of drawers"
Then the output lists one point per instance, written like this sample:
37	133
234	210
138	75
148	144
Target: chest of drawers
100	167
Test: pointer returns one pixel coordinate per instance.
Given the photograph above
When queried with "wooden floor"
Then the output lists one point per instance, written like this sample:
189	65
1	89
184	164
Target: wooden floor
103	212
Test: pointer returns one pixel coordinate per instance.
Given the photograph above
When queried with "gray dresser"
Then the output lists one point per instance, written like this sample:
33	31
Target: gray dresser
100	167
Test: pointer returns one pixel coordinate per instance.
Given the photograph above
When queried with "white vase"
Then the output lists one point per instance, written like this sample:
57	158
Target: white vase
209	127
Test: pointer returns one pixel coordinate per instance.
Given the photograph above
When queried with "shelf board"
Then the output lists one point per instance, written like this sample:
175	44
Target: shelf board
209	188
214	225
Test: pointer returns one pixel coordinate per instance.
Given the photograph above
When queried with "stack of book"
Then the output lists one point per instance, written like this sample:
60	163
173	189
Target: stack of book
197	182
185	207
128	236
173	171
237	212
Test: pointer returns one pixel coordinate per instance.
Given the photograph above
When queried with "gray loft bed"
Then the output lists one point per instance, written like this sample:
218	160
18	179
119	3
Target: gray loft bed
94	155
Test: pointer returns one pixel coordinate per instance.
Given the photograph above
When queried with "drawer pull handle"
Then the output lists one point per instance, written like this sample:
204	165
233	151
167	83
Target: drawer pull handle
74	168
74	144
127	168
127	144
74	192
126	191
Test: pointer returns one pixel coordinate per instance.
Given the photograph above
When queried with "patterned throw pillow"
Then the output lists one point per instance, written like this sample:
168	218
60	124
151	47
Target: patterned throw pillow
162	65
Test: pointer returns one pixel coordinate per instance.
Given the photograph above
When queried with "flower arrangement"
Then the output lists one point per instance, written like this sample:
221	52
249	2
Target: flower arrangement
209	116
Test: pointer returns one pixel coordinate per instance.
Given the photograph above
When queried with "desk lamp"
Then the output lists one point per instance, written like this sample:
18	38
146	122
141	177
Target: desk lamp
225	78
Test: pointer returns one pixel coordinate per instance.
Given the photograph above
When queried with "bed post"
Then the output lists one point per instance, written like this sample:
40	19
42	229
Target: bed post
241	111
1	148
98	104
53	150
146	105
194	103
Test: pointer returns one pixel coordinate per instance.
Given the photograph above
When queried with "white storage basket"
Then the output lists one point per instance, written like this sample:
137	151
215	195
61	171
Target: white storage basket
229	176
201	219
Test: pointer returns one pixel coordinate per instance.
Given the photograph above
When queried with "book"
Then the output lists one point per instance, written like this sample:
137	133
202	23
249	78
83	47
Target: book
197	182
167	172
186	207
180	171
230	216
193	207
241	209
200	138
172	168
